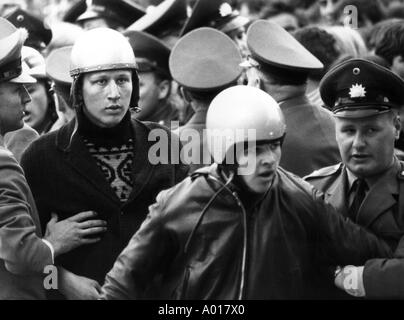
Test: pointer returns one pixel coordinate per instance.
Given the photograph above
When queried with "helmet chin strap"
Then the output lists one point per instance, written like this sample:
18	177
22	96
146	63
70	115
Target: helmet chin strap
229	173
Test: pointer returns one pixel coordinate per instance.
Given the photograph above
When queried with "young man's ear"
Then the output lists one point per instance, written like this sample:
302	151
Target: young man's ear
253	78
397	65
164	89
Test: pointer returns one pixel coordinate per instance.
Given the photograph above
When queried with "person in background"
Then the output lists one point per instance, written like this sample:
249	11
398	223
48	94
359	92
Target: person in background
39	32
117	14
165	21
367	187
154	79
40	113
204	62
390	46
25	252
281	13
324	47
283	66
221	16
63	34
349	41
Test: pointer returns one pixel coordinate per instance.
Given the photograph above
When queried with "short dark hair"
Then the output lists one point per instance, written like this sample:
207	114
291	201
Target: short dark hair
321	44
284	76
376	32
391	42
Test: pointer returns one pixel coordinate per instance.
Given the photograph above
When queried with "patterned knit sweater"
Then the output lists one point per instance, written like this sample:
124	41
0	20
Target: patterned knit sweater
113	151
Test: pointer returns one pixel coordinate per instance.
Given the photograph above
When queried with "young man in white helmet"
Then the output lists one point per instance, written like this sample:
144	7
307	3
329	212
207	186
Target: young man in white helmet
99	161
242	228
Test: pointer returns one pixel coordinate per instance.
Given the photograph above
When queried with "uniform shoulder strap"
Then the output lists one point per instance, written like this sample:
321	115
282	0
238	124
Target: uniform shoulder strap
324	172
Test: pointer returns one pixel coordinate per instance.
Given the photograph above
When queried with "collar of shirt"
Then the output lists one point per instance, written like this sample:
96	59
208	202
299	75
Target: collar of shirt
387	178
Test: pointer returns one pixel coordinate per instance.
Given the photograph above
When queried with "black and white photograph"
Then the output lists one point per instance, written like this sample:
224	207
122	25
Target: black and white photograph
198	155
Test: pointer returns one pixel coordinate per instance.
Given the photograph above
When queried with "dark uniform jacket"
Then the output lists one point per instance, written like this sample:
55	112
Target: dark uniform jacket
382	212
165	115
195	147
310	142
17	141
199	240
23	255
65	179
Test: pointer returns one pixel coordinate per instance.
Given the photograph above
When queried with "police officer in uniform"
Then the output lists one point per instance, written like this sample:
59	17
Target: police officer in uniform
39	33
154	79
203	62
220	15
283	66
117	14
164	21
368	185
24	254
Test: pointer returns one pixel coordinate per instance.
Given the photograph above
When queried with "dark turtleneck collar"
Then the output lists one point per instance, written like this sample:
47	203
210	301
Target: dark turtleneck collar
116	136
247	197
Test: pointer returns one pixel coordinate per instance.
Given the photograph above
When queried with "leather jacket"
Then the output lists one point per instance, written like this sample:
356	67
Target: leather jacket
199	241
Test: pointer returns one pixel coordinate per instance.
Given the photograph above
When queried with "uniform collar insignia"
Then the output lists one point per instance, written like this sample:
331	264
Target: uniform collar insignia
357	91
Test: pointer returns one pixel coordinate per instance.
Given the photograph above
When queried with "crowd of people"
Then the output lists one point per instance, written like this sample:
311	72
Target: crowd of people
201	149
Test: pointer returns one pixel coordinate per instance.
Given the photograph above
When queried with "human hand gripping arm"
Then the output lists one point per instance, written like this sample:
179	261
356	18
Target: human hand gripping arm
75	287
66	235
342	241
73	232
383	278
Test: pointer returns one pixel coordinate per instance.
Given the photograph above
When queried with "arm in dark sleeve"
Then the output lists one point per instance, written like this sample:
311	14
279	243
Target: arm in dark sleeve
149	250
343	242
21	249
384	278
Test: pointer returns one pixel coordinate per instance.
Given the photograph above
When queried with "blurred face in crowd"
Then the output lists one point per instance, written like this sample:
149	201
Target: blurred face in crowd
107	96
239	36
35	112
266	157
367	144
327	9
13	98
151	92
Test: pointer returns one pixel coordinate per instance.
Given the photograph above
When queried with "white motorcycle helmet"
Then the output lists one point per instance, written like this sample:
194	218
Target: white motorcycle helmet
241	114
102	49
